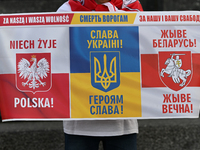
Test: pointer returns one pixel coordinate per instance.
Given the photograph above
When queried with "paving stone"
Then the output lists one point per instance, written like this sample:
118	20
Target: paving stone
169	134
165	134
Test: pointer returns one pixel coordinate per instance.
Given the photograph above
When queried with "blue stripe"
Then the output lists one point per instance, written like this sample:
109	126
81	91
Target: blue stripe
80	53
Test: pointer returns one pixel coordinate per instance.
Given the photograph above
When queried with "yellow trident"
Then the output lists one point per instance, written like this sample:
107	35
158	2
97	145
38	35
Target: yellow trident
105	79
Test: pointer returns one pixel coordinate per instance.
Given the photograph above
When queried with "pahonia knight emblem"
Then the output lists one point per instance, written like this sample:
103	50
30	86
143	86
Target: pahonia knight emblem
178	68
105	70
33	72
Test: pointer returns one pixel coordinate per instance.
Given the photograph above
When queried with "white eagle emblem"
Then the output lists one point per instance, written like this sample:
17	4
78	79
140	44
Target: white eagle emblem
34	73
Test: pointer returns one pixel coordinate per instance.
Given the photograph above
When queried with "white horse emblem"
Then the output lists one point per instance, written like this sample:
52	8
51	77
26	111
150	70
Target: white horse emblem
174	71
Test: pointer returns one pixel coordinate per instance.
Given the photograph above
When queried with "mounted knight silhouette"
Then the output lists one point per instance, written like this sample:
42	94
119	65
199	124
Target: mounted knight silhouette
174	70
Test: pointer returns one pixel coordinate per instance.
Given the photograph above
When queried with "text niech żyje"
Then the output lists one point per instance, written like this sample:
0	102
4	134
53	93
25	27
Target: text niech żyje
32	44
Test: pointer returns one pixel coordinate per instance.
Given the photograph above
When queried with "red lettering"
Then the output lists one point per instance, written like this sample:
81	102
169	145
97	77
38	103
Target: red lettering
164	34
164	108
20	44
169	43
167	98
177	108
26	44
142	18
181	108
170	108
154	43
183	98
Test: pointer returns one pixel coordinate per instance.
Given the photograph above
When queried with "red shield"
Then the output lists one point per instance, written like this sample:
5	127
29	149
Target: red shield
175	68
33	72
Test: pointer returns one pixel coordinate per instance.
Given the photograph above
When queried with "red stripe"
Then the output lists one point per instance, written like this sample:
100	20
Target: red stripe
150	71
36	19
59	92
196	71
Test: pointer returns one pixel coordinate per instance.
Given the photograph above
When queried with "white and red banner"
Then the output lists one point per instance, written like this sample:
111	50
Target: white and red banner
57	66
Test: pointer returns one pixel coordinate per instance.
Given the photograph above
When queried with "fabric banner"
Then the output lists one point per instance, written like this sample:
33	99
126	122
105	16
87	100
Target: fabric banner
57	66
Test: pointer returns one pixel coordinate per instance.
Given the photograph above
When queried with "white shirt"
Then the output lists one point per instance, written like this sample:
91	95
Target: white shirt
98	127
101	127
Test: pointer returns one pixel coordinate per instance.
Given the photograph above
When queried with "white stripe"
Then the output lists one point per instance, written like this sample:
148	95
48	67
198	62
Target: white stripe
59	56
152	101
111	8
65	8
132	9
127	2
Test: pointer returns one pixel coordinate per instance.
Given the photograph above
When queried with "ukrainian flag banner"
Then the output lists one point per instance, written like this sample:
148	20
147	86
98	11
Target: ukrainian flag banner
105	72
80	66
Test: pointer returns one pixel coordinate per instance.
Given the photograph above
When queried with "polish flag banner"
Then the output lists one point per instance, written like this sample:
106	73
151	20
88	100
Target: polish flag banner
80	66
34	72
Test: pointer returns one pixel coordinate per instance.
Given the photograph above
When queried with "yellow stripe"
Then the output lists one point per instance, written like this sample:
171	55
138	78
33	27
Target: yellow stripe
81	90
104	18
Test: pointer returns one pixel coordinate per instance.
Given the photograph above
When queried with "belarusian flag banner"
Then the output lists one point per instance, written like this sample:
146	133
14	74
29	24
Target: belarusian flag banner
57	66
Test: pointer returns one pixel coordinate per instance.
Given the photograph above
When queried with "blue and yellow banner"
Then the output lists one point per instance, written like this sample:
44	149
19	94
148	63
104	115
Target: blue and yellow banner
105	72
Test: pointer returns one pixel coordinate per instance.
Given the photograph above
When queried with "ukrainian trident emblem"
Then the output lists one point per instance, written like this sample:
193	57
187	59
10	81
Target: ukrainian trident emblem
105	70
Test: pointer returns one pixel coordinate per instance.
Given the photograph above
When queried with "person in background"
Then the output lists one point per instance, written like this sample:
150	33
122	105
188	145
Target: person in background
115	134
101	5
